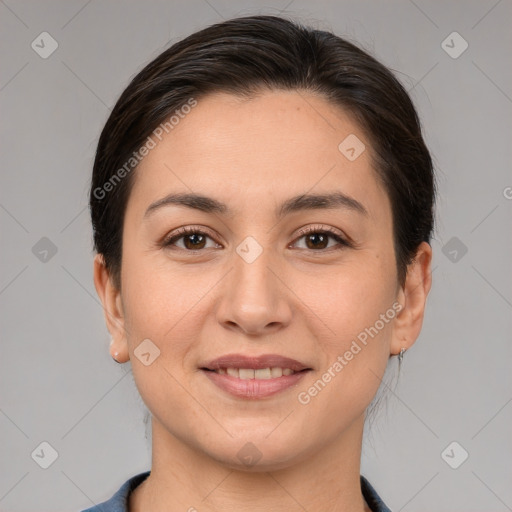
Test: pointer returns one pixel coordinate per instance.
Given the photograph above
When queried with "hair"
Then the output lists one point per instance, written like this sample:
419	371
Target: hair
245	56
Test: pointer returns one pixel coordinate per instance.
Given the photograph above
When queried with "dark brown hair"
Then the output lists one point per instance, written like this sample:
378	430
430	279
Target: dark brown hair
242	56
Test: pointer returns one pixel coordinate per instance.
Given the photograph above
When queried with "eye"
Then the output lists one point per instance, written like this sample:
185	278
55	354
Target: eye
194	239
317	238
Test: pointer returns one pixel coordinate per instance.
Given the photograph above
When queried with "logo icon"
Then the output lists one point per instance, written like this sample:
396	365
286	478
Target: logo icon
249	454
454	249
45	455
44	250
44	45
454	45
249	249
147	352
454	455
351	147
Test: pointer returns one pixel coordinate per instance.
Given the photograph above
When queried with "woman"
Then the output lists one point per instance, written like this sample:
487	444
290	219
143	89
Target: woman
262	203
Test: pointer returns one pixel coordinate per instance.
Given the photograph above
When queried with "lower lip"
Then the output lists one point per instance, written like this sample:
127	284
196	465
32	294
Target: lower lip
254	388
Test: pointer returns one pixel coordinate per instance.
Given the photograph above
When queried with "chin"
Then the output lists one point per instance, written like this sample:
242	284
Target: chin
260	467
253	453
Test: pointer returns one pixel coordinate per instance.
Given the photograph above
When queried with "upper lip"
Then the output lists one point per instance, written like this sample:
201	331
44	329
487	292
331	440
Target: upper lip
255	362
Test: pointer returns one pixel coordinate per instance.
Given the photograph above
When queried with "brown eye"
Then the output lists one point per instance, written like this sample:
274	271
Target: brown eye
317	239
193	239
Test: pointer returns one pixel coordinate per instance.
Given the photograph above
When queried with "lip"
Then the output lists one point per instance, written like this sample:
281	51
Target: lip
254	388
255	362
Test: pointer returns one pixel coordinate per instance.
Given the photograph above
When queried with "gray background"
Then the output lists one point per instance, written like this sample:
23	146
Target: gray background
58	383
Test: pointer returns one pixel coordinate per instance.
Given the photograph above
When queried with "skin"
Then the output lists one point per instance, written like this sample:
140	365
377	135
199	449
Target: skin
307	302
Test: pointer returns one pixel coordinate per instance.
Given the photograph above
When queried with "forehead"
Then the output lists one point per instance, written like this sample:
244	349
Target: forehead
242	151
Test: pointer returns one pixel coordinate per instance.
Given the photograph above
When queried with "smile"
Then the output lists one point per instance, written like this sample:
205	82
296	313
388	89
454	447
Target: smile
259	374
254	377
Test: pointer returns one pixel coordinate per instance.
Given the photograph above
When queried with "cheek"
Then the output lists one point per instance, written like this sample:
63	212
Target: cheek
355	354
162	304
352	296
159	306
158	294
356	305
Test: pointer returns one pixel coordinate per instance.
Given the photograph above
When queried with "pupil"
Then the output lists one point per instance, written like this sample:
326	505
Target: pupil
195	241
313	236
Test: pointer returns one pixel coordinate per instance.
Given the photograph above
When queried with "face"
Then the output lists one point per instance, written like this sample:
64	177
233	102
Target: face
301	295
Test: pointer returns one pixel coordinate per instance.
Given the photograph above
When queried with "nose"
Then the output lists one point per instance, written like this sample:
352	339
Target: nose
254	299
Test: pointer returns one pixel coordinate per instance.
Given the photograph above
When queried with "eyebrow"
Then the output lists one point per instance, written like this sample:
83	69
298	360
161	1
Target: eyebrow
301	202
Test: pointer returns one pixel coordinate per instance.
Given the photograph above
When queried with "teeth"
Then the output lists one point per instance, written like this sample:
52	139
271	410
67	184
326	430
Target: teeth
246	374
263	373
260	374
276	372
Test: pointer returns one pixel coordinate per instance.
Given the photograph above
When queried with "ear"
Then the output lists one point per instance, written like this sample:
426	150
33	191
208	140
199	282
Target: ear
110	297
413	296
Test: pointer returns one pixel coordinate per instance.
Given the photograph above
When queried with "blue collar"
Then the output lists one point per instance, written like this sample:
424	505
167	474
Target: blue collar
119	502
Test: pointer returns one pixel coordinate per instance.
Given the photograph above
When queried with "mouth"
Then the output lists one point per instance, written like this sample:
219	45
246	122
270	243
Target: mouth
254	377
251	373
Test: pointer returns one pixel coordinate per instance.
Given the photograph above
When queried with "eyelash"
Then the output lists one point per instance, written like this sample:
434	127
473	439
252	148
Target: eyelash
343	243
191	230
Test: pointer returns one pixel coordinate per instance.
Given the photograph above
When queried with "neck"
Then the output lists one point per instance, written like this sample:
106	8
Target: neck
184	479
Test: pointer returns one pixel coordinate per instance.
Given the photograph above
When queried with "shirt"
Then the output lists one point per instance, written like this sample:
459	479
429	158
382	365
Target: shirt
119	502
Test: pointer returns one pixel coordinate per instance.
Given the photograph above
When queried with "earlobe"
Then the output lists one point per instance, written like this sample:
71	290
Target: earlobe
112	308
413	296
